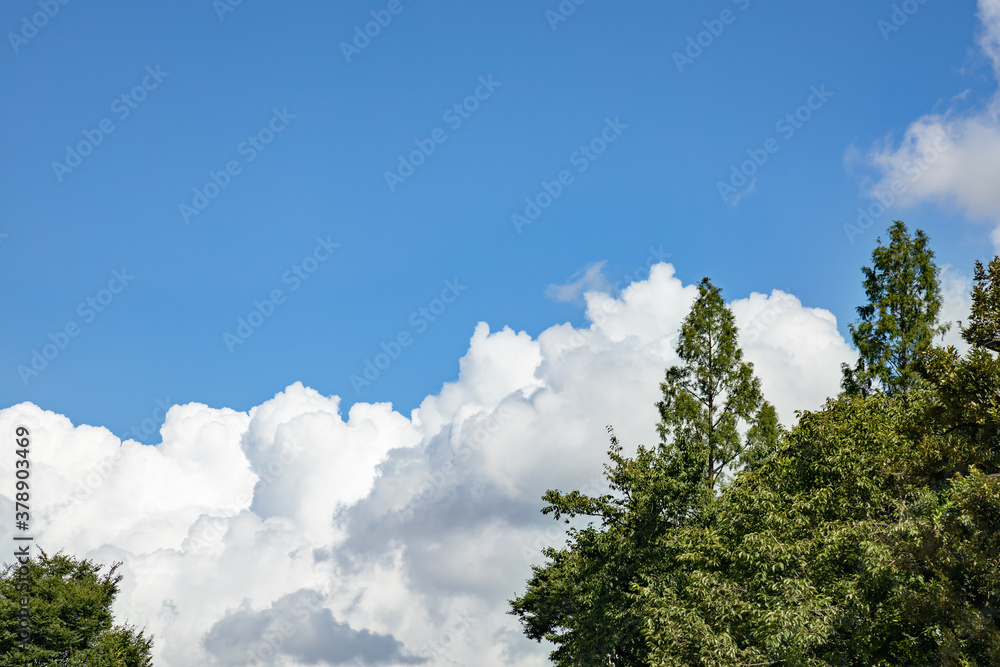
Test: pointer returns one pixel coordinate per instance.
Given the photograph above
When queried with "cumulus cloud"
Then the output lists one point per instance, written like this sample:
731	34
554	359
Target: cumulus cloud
375	538
949	158
793	349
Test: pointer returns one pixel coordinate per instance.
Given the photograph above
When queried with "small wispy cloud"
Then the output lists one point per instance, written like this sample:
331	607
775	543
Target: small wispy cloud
589	279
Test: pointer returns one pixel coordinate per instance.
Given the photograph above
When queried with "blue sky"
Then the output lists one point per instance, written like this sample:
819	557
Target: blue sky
223	75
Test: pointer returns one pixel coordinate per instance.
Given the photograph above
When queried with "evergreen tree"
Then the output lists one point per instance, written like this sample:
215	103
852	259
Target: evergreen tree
848	546
899	321
984	320
706	399
69	611
968	390
582	599
868	536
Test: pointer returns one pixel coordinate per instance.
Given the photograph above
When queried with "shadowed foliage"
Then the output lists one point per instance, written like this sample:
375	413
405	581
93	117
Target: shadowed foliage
69	604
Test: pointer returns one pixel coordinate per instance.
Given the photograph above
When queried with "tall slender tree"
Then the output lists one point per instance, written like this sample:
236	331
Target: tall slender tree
582	599
706	399
900	319
984	320
968	386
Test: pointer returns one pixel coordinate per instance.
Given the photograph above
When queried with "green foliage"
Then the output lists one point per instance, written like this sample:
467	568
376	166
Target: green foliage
579	600
705	400
984	325
799	567
966	411
870	537
869	534
69	602
900	319
582	598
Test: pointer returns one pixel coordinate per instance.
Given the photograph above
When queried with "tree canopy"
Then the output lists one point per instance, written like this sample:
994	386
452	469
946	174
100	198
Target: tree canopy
582	600
984	325
69	605
867	534
707	399
900	319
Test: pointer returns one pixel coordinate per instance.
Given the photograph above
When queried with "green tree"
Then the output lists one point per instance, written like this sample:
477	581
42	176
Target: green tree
579	600
69	606
860	541
706	400
582	599
899	321
984	325
767	580
967	407
868	536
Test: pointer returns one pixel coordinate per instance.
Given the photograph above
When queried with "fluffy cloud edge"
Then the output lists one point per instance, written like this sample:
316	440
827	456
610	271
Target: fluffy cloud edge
947	158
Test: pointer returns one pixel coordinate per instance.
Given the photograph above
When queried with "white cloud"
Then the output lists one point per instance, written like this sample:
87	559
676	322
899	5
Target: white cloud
795	350
406	534
950	158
